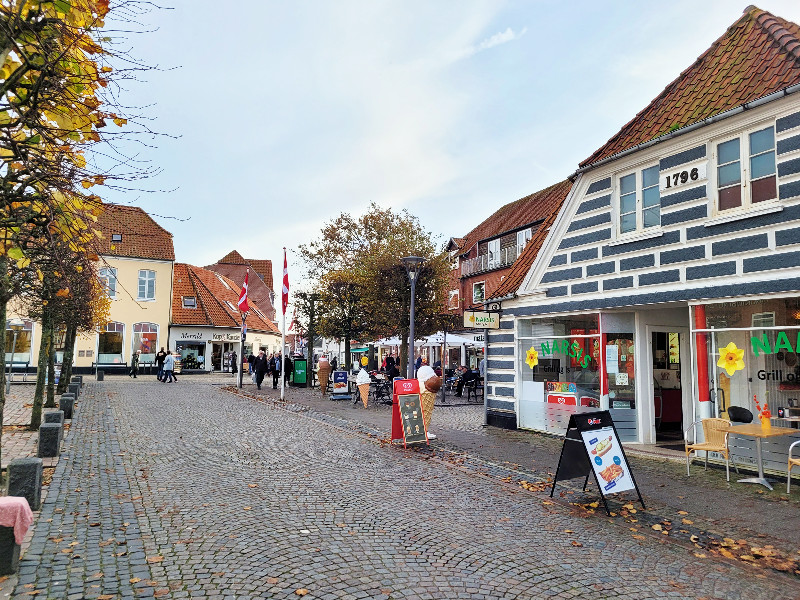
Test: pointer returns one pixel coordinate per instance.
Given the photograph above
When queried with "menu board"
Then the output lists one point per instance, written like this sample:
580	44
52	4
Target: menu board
608	460
412	418
341	389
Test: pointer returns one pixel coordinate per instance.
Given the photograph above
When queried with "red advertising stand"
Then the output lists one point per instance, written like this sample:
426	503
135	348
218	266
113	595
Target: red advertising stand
407	390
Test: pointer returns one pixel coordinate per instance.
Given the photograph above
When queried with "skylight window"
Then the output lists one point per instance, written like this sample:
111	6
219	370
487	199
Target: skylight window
189	302
116	237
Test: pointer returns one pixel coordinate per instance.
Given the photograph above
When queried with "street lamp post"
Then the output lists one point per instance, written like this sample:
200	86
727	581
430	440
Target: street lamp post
413	265
16	326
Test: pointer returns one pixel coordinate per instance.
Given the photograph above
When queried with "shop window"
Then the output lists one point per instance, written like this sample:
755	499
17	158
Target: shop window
145	340
478	291
109	343
192	354
620	369
639	200
59	343
746	170
147	285
108	279
189	302
22	349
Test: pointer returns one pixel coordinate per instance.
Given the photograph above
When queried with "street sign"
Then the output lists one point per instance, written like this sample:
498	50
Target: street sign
591	446
482	320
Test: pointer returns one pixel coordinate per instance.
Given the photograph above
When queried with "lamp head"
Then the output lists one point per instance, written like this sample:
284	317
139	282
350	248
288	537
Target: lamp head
413	264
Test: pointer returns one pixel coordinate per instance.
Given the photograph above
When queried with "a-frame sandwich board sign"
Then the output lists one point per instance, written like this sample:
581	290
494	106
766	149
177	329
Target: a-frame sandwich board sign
591	445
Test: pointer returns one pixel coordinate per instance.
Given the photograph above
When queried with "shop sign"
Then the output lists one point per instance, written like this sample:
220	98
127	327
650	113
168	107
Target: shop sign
225	337
761	344
567	348
483	320
192	336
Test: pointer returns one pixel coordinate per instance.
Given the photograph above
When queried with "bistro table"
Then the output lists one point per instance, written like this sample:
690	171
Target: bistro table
755	430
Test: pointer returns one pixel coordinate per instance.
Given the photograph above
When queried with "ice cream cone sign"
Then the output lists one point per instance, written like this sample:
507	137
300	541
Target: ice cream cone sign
362	381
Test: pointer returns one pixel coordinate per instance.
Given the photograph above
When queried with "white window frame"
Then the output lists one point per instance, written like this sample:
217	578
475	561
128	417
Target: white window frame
106	274
747	204
483	295
451	296
493	256
231	306
152	328
144	277
638	174
523	237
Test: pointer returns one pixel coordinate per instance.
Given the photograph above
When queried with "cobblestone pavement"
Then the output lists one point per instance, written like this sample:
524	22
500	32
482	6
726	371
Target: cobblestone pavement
186	491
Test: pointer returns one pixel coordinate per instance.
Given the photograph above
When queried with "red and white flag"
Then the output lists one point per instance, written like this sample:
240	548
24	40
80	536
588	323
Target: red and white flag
243	306
285	282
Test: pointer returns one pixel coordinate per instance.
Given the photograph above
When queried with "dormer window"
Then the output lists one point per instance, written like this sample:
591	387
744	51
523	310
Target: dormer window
116	237
222	281
189	302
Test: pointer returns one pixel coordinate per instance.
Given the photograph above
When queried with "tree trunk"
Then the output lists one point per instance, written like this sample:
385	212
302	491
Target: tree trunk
51	369
3	308
41	370
69	353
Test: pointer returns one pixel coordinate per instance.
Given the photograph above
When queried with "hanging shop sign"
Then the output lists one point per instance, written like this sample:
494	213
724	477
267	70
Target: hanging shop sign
591	446
482	320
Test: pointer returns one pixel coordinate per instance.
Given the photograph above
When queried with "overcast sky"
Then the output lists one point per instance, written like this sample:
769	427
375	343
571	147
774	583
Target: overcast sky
289	113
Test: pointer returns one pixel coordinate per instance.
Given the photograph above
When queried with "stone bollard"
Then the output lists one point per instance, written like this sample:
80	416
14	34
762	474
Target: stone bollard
77	379
56	416
9	551
66	403
25	479
49	440
75	388
100	375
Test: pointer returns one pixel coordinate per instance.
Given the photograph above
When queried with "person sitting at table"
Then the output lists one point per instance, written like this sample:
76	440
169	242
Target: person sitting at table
466	375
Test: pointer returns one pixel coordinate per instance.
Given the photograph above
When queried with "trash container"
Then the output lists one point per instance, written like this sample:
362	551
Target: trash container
300	370
100	375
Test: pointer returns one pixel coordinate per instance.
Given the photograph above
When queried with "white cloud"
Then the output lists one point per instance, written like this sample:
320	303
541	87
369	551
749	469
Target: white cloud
497	39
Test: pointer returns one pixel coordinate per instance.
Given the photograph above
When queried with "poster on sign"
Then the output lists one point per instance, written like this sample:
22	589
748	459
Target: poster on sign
341	389
607	460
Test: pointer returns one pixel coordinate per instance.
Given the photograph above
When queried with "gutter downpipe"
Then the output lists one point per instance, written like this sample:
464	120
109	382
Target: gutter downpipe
689	128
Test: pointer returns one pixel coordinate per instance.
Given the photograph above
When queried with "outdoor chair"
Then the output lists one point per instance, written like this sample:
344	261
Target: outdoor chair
474	388
740	414
715	433
793	462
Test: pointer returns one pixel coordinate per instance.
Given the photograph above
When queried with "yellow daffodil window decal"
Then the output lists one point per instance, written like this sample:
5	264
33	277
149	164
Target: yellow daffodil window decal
731	359
532	358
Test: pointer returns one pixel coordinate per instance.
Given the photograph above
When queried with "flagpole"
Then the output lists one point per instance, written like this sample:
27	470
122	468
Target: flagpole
283	328
241	349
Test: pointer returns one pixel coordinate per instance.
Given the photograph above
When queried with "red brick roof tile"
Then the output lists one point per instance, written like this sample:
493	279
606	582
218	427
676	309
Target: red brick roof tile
142	237
212	295
530	209
758	55
522	265
232	258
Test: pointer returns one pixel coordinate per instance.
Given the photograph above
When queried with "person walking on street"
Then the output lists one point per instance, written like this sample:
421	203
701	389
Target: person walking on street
134	364
287	370
160	356
234	364
276	370
169	368
260	366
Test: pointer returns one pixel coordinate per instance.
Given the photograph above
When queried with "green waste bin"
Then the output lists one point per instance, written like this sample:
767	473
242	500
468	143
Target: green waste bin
300	370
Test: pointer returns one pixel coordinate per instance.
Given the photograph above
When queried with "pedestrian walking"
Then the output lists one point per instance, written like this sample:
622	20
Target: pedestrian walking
234	363
260	366
276	369
169	368
134	364
288	370
160	356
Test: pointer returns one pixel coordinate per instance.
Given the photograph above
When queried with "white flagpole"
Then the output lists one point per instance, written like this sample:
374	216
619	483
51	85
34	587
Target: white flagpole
283	334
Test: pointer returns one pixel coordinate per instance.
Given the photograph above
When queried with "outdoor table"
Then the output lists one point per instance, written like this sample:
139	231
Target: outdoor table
755	430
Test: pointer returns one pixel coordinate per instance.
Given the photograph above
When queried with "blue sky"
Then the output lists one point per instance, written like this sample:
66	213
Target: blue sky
288	113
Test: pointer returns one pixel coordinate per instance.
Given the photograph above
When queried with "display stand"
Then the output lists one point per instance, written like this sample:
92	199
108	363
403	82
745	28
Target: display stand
408	419
341	387
591	445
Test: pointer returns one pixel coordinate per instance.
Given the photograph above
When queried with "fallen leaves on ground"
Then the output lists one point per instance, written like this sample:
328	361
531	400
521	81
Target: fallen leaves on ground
301	592
155	559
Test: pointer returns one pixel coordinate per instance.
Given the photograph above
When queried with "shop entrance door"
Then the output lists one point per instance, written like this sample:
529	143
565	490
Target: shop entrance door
669	365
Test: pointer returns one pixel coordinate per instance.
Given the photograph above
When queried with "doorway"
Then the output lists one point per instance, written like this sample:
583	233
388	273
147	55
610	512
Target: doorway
669	361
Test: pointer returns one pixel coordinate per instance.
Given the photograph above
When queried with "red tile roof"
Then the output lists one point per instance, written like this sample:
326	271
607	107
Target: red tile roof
263	268
234	266
522	265
233	258
142	237
530	209
757	55
212	301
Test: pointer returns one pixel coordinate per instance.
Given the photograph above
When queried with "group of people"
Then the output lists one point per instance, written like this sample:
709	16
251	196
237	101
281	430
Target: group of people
260	365
165	361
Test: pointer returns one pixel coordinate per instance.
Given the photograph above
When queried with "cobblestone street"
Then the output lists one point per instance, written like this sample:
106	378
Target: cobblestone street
188	491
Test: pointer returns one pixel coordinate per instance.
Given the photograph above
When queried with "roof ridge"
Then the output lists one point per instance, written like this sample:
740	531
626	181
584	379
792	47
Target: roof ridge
779	32
141	210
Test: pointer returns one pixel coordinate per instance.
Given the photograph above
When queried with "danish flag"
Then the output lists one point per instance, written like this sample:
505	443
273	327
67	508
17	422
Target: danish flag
243	306
285	282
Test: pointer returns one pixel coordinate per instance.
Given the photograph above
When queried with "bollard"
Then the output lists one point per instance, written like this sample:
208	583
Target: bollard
9	551
66	403
49	440
25	479
77	379
75	388
56	416
100	375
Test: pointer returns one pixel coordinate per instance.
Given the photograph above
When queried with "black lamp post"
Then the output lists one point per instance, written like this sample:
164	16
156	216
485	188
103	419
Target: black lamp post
413	265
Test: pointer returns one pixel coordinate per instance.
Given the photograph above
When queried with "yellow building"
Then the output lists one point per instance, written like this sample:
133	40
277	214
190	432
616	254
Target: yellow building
136	265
